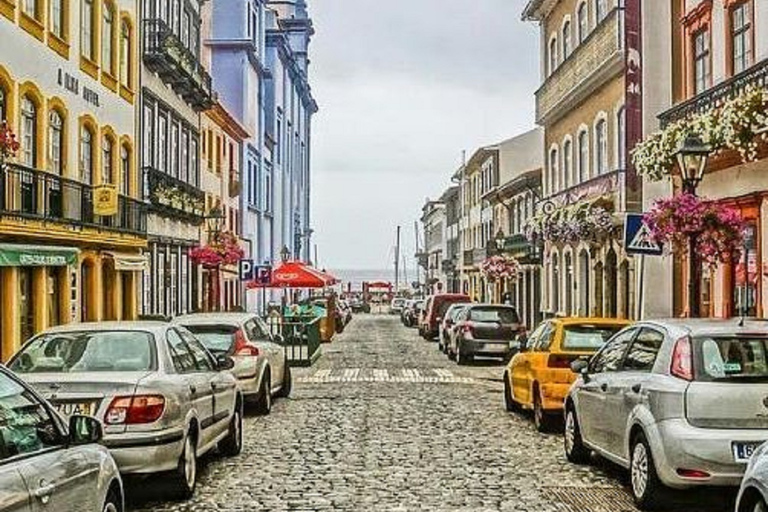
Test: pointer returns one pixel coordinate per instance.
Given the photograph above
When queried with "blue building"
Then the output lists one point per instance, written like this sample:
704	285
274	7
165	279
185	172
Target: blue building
260	72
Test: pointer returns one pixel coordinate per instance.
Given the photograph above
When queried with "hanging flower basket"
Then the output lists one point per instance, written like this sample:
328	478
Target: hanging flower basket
223	250
500	267
719	230
9	146
580	221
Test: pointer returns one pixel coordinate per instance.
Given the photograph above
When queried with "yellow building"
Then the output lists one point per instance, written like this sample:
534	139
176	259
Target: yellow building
71	228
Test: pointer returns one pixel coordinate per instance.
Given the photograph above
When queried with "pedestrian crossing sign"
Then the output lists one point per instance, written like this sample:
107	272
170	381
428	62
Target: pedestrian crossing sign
638	238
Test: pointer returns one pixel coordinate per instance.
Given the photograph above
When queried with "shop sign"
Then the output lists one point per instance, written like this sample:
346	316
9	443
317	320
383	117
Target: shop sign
105	200
36	256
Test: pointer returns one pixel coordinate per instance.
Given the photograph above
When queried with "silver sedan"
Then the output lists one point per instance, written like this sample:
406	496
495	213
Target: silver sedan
261	364
163	398
49	464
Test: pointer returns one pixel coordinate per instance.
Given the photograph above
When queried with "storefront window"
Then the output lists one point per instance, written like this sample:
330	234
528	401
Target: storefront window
26	303
54	295
746	275
174	283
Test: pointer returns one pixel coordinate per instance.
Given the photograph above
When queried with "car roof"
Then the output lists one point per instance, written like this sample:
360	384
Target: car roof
578	320
139	325
213	318
709	326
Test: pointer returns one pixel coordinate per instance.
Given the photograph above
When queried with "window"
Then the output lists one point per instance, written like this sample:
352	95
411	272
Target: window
148	155
645	348
268	193
741	37
107	32
552	55
185	23
621	137
702	74
28	132
181	355
173	281
174	151
553	170
31	8
203	359
601	147
583	21
125	171
583	158
87	32
601	10
125	54
26	426
567	163
609	358
544	338
587	337
107	174
57	18
194	161
566	39
55	143
162	142
184	173
86	155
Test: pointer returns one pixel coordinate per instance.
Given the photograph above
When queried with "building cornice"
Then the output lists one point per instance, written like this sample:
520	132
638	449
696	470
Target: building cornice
537	10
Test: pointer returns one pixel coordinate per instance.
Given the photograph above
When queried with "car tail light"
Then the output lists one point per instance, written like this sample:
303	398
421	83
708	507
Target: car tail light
243	347
682	360
134	410
558	361
692	473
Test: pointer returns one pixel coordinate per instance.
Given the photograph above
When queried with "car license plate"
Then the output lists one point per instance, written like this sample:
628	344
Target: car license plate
742	452
71	408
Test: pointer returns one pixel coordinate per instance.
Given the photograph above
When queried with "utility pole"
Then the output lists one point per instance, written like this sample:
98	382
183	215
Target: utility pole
405	272
397	261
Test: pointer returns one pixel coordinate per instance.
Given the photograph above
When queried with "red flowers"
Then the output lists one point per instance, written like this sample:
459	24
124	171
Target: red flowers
224	249
9	146
500	267
719	230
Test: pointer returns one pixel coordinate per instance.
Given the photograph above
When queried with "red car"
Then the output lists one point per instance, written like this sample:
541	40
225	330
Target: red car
436	307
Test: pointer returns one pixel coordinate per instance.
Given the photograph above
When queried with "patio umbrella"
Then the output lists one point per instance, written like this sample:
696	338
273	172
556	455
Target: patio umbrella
295	274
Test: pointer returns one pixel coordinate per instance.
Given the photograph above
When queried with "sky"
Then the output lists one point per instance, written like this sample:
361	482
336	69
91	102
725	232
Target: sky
404	86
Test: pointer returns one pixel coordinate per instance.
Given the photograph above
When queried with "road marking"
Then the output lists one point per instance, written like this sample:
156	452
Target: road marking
406	375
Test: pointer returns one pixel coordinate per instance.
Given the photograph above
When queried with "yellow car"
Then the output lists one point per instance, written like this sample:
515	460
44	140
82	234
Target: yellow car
539	376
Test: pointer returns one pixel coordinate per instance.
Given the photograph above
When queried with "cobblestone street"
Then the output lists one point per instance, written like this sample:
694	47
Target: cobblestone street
383	421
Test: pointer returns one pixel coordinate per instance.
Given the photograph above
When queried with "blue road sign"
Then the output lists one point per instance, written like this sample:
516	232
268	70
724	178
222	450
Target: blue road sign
638	238
247	271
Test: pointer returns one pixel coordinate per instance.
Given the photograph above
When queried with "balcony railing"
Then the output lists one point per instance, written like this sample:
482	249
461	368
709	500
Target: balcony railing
32	194
519	247
756	75
171	197
575	77
166	55
612	183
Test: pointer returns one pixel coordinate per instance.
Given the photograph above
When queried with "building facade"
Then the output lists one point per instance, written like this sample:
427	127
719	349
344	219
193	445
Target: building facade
71	225
433	221
452	243
719	53
175	89
588	105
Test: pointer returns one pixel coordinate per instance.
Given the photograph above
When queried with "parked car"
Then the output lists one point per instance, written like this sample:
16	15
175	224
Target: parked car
753	493
163	398
412	312
396	306
358	305
539	376
679	403
261	364
407	306
49	463
447	325
434	311
485	330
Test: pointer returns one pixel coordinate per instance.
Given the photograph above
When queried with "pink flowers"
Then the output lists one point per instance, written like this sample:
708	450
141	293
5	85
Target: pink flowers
223	250
8	143
500	267
719	230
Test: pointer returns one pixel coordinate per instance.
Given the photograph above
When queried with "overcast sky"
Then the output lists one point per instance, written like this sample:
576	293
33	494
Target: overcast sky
403	87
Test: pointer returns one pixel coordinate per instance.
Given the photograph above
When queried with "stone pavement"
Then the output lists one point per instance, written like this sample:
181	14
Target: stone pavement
384	422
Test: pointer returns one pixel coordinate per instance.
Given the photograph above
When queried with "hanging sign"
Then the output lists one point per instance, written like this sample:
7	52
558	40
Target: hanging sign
105	200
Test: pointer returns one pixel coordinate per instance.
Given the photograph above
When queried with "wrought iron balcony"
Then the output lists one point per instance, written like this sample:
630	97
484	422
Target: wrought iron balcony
166	55
479	256
29	193
519	247
598	58
171	197
756	75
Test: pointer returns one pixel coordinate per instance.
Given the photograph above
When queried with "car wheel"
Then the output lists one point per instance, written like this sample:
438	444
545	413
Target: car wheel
575	451
509	400
264	402
285	389
541	419
233	444
186	471
646	486
112	503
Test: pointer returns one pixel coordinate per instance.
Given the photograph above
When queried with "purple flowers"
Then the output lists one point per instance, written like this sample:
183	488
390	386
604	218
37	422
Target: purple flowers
719	230
581	221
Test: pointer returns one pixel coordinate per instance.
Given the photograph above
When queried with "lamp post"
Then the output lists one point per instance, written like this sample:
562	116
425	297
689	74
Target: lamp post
692	158
214	221
285	253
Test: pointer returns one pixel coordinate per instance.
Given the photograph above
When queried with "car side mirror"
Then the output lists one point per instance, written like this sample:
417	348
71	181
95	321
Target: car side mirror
224	362
84	430
581	367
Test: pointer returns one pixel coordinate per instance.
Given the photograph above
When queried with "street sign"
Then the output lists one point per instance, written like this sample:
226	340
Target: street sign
638	238
247	271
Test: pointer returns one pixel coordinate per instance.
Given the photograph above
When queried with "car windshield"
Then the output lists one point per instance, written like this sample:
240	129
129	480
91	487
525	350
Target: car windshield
505	315
87	351
455	310
216	338
586	337
731	358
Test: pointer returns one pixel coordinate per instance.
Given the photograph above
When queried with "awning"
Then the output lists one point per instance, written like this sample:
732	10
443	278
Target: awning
18	255
128	262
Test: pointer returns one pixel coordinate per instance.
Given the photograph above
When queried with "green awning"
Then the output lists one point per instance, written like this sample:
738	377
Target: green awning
16	255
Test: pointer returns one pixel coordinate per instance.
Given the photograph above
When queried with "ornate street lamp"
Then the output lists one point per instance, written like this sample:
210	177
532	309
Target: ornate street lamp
692	158
214	221
499	240
285	253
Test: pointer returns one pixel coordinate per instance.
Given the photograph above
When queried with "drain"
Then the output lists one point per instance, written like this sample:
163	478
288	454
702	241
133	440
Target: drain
590	499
